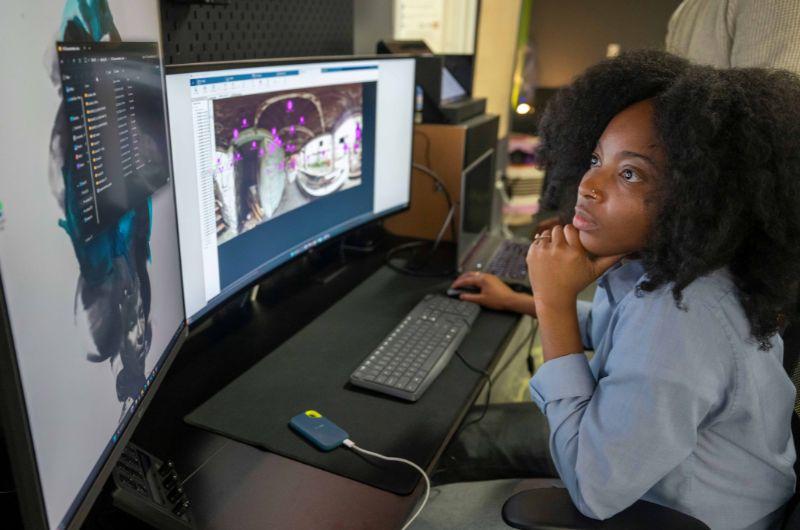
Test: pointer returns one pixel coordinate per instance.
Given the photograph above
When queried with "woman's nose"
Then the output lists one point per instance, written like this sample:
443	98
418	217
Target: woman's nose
591	187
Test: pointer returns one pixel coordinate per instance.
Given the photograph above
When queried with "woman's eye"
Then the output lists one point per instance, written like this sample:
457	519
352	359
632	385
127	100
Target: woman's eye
630	175
594	161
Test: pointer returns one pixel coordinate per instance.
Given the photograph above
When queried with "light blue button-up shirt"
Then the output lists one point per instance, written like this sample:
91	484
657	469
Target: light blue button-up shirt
677	406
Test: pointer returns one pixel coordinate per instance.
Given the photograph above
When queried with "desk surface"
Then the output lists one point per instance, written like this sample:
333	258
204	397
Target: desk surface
234	485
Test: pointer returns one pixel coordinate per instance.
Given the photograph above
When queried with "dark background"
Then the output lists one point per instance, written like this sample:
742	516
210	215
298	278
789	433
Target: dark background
567	36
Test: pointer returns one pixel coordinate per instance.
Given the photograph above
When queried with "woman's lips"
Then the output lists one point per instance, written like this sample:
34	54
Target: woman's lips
583	221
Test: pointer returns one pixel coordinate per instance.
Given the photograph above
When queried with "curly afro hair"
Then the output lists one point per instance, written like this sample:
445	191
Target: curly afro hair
730	195
577	114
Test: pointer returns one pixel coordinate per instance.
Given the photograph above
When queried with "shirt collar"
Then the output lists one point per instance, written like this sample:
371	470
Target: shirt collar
621	278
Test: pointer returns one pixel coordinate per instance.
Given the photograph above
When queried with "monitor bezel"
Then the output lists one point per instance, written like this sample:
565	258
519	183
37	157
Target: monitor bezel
16	427
191	68
19	440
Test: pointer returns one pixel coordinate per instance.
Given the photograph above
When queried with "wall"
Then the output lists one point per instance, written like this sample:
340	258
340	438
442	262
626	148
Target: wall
570	35
498	25
372	21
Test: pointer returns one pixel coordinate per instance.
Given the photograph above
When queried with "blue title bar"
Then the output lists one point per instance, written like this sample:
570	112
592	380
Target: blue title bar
241	77
347	68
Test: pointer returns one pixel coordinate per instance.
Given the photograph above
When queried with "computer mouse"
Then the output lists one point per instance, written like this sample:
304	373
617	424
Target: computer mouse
455	292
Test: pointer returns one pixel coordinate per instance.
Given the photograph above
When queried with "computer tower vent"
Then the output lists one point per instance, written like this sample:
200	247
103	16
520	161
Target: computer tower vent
228	30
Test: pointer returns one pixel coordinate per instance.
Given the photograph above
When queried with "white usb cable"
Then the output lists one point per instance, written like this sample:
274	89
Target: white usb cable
350	444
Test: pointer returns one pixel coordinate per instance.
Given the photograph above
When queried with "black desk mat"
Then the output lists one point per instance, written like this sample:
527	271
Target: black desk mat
311	371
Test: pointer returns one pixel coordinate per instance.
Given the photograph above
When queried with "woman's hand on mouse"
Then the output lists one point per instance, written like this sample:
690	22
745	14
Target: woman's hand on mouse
559	268
494	294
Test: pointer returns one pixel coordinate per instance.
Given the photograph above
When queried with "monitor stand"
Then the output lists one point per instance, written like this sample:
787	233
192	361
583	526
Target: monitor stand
230	315
361	241
423	258
365	239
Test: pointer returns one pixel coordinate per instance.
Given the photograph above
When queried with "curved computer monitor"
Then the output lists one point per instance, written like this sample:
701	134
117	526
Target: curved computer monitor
91	304
272	158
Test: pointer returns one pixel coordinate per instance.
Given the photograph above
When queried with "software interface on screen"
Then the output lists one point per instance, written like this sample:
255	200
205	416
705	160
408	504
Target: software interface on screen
89	259
114	111
272	160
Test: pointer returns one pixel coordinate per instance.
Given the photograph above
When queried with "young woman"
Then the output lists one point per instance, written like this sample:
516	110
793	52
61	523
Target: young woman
687	215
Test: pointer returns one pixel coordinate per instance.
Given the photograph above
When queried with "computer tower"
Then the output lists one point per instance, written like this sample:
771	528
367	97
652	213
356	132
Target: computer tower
447	150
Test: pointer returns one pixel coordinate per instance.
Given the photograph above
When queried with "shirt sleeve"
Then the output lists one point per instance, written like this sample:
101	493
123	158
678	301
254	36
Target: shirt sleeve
614	438
585	323
765	33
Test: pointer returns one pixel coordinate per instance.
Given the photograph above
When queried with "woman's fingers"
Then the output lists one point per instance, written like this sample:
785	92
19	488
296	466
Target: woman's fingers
466	279
471	297
531	250
572	237
556	235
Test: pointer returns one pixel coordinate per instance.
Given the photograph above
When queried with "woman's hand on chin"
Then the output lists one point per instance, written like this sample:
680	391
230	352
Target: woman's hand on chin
559	268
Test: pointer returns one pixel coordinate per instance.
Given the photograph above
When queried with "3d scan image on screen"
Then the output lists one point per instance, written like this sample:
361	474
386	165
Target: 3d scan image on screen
279	151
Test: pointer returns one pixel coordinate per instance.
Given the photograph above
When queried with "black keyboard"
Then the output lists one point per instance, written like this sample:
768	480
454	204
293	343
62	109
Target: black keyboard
509	261
407	361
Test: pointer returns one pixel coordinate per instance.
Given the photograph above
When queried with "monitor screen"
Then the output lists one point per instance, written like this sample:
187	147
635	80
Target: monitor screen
477	185
274	158
451	88
88	260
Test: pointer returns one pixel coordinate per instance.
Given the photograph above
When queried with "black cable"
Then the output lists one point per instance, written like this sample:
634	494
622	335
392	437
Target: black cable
427	146
416	271
440	186
530	354
203	464
486	375
530	336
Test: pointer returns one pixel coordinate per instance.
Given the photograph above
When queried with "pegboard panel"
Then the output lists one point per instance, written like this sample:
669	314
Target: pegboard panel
255	29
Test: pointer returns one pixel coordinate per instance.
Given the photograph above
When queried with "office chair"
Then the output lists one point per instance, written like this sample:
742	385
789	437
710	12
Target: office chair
552	508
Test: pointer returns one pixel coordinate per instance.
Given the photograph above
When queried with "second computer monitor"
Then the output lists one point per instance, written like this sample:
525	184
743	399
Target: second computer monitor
273	158
91	309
